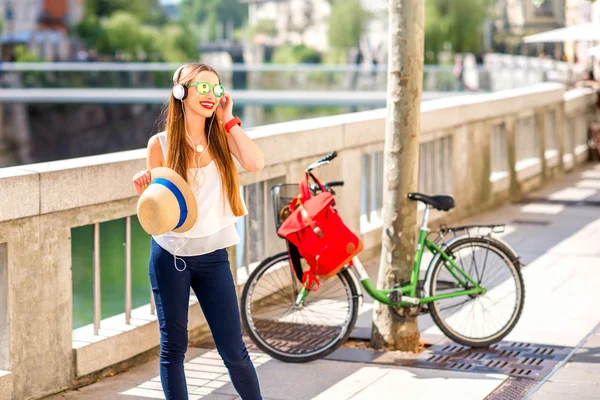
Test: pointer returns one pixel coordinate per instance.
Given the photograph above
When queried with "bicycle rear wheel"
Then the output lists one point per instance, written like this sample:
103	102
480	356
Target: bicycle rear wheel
297	334
478	320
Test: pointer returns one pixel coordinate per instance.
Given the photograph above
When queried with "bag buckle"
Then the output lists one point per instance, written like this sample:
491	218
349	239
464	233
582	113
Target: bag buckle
309	221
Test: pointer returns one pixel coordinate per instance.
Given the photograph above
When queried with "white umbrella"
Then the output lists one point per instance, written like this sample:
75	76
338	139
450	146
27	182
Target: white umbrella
581	32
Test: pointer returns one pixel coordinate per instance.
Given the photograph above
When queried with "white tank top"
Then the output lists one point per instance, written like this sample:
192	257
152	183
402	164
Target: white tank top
215	226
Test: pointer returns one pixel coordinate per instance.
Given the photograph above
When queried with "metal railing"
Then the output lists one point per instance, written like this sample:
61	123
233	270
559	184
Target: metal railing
89	66
258	238
97	293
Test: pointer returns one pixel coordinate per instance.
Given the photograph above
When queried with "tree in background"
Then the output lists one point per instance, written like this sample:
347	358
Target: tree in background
346	26
147	11
266	27
295	54
137	30
203	16
124	32
452	25
175	43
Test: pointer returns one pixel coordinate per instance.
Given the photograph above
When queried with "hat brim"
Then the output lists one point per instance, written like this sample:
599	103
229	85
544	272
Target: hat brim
186	191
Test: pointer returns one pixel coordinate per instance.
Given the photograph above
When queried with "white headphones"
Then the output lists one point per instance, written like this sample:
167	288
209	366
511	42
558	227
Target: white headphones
179	91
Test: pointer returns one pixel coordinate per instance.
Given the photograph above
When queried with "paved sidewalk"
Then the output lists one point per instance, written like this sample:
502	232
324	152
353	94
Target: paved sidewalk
557	233
580	376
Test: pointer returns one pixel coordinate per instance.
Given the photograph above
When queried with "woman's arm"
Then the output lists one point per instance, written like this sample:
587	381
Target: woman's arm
245	150
154	159
241	146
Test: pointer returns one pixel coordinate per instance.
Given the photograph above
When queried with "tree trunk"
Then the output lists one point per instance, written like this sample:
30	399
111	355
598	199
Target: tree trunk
401	155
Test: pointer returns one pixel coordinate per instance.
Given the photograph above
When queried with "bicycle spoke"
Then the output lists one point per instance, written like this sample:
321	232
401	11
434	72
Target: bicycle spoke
484	265
482	317
300	330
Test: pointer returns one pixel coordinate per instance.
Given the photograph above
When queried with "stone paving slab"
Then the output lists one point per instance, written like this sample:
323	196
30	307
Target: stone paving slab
336	380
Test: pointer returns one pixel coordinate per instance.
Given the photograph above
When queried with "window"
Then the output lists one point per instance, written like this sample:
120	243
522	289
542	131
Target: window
546	9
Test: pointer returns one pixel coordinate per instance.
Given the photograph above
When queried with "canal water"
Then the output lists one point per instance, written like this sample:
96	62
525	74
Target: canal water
112	269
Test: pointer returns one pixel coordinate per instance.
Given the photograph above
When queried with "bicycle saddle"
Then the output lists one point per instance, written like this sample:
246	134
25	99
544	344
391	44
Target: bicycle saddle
439	202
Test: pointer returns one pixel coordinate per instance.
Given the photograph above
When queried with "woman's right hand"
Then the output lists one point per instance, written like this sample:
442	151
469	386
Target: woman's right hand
141	180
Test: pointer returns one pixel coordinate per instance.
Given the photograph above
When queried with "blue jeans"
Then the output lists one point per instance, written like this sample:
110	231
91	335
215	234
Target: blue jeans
210	277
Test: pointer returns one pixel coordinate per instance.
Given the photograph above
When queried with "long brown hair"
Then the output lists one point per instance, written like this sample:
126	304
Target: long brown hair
180	153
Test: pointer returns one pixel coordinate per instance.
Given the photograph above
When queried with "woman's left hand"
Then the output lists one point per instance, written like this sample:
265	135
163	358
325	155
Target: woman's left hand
225	108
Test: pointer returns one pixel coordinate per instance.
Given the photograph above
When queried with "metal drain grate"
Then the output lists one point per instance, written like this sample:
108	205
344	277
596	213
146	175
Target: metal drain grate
512	389
529	222
294	337
523	360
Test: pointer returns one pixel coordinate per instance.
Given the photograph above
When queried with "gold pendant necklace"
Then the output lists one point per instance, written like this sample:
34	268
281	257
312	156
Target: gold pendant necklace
199	148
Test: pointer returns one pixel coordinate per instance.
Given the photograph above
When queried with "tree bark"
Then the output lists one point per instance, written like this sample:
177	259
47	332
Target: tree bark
401	161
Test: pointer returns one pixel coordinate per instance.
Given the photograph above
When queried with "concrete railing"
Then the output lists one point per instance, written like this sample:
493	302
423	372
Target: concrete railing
511	71
483	149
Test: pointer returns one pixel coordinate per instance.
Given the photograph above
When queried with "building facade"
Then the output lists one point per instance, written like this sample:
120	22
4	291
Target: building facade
307	21
515	19
41	25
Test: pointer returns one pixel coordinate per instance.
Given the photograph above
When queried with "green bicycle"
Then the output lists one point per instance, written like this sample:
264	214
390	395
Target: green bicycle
472	288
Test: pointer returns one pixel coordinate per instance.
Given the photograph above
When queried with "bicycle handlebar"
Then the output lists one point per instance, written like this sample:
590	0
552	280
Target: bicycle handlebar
325	160
329	157
314	188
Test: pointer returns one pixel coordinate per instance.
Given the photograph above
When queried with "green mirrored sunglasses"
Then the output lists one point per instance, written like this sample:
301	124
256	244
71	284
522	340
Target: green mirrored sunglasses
203	88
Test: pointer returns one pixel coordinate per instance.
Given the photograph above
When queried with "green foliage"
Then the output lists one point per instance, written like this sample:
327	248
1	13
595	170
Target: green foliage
346	24
454	25
176	44
23	54
265	27
90	31
124	33
135	29
147	11
290	54
202	13
335	56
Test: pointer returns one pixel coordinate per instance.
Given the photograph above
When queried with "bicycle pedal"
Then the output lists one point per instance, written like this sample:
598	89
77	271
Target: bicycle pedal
412	300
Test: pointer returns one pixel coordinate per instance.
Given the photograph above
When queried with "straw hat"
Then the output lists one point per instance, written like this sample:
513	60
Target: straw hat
167	204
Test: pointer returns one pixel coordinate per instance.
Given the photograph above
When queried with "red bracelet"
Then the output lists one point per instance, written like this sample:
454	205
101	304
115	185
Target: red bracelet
231	123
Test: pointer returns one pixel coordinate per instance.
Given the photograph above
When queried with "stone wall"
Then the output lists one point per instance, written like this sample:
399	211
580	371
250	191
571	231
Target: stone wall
53	132
481	149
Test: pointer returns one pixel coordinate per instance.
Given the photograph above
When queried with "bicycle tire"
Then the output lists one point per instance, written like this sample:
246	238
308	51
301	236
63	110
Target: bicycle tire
278	353
515	268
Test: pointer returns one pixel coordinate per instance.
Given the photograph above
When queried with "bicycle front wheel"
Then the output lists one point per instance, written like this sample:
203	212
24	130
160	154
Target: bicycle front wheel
297	333
483	319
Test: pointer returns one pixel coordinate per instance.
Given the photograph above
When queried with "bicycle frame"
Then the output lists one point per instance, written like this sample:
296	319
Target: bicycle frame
409	292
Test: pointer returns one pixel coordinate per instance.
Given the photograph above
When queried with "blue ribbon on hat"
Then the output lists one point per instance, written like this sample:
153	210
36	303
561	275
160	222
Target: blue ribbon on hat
183	211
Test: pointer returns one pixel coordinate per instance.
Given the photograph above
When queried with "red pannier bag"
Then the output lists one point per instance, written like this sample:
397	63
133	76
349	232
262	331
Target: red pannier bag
318	232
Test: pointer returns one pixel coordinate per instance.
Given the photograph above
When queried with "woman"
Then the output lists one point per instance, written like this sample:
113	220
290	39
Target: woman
201	136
